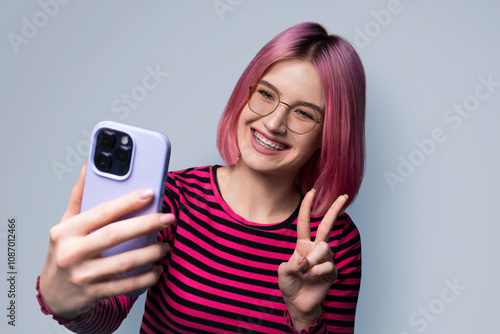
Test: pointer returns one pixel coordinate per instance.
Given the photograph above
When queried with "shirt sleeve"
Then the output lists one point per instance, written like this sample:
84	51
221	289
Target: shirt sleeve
104	317
170	205
341	301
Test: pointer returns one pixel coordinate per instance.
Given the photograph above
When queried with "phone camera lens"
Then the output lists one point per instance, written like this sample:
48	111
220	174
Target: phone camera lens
102	161
106	139
122	155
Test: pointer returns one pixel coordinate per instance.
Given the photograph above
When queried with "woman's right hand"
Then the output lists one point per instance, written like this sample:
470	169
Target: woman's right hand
75	277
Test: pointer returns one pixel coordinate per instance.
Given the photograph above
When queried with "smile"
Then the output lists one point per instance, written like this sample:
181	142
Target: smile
271	145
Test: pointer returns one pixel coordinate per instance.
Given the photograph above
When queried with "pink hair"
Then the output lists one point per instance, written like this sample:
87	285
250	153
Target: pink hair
338	167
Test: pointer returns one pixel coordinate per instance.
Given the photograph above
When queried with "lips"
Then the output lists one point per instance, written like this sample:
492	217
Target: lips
268	143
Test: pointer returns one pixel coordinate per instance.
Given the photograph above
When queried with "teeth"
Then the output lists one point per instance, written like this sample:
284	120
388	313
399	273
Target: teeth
266	143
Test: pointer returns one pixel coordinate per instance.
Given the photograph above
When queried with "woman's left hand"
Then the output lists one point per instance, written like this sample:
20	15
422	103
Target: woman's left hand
306	278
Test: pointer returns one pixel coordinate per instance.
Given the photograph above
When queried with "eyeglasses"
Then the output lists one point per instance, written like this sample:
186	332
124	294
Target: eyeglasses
300	117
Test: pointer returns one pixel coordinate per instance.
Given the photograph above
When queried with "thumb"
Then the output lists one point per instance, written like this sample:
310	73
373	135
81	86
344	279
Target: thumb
75	199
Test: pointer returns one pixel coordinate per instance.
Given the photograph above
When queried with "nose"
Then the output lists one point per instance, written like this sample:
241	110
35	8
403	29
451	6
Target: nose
275	122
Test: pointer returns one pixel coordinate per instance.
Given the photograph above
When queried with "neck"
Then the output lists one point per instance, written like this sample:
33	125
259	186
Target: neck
258	197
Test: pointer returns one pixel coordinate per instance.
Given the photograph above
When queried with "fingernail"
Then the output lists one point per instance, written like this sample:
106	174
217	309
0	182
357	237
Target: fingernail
300	261
164	219
166	247
346	196
306	274
145	194
159	269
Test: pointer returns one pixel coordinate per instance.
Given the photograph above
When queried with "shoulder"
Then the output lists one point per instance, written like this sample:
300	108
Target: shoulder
344	234
346	242
349	229
178	182
343	227
203	171
181	178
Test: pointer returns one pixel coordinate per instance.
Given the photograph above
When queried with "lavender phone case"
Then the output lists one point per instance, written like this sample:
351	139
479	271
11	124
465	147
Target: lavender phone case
148	169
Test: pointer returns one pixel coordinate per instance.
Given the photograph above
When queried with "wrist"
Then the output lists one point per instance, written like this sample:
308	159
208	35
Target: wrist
300	320
61	318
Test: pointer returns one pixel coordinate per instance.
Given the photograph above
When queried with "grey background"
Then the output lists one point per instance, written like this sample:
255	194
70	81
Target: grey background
435	229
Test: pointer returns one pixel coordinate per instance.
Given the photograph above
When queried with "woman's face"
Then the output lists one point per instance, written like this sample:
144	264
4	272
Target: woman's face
265	143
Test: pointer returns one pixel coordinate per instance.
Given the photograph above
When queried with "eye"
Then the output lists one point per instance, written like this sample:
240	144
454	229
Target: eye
303	113
266	94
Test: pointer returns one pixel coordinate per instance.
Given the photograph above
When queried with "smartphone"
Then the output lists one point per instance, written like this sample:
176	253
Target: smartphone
125	158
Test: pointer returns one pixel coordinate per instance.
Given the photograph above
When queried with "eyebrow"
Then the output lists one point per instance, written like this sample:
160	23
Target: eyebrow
312	105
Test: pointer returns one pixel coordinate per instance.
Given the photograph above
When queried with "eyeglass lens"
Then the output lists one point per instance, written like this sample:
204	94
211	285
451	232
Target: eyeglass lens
263	100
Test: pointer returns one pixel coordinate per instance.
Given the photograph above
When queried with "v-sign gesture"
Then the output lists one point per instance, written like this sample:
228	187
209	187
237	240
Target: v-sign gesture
306	278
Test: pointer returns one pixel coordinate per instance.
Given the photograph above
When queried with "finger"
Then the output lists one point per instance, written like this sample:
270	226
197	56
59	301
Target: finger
319	254
328	221
125	285
75	199
106	267
297	265
109	212
119	232
303	219
327	270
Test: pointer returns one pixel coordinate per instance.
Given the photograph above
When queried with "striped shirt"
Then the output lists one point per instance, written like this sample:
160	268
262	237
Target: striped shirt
221	274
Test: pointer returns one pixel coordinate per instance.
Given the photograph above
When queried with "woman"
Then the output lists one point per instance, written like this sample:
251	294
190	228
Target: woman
259	245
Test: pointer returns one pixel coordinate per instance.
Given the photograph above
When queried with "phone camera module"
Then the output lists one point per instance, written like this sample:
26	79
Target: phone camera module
103	161
106	139
113	152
